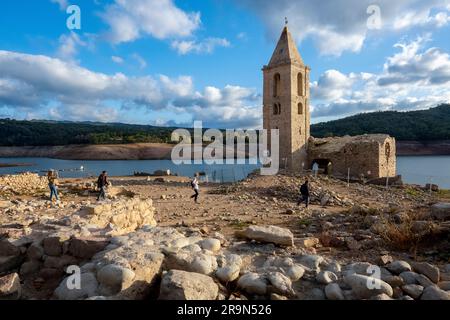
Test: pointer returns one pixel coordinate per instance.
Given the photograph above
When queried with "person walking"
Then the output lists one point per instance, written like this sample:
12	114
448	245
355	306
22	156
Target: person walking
53	185
315	168
195	187
102	184
304	192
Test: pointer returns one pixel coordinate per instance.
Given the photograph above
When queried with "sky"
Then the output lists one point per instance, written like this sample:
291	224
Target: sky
173	62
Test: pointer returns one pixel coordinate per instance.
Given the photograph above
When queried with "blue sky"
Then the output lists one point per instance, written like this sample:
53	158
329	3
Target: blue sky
169	62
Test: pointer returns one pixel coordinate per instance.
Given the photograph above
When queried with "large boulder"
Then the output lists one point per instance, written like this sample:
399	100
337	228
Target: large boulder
364	287
10	288
182	285
441	211
434	293
280	284
230	267
253	283
53	245
88	288
270	234
399	266
114	279
192	259
428	270
334	292
86	248
10	262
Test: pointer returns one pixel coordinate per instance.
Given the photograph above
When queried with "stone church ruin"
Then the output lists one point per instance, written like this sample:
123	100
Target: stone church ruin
286	108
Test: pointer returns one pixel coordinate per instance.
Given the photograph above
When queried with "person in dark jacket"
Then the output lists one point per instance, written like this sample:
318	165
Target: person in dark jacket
102	184
304	193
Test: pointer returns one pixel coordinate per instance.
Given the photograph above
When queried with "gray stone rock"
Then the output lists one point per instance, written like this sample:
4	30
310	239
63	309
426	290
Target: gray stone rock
280	284
253	283
113	279
269	234
444	285
88	288
210	244
53	246
441	211
434	293
9	263
413	290
364	287
427	269
409	277
311	262
326	277
332	266
30	267
35	252
398	266
424	281
334	292
381	296
294	272
315	294
182	285
358	268
10	288
230	267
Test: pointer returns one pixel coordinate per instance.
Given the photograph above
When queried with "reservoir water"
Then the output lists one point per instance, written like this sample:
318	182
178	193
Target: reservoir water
415	170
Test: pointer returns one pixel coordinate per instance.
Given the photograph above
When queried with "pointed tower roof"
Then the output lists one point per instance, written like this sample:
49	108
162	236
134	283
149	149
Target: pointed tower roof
286	51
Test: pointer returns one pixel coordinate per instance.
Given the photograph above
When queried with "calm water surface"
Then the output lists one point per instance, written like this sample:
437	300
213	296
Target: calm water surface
417	169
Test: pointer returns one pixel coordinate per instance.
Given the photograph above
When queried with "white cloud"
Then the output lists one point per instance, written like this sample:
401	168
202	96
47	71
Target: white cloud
131	19
69	46
68	91
206	46
117	59
416	77
63	4
140	61
336	26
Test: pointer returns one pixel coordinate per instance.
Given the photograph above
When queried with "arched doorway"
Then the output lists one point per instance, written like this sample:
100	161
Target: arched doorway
325	166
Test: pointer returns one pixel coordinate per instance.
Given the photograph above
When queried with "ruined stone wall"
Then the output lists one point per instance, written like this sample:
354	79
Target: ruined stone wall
25	183
368	156
122	216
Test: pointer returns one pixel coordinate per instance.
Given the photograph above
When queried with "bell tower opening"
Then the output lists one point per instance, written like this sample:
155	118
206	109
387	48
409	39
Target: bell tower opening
300	84
276	85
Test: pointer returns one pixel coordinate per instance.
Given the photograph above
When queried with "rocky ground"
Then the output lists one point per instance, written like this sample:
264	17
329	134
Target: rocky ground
247	240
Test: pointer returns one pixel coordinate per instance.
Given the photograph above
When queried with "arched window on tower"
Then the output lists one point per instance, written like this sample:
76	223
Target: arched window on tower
300	108
275	109
276	85
279	108
300	84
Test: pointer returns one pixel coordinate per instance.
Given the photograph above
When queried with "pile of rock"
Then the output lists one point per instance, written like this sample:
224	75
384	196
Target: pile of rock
161	262
26	183
44	258
122	216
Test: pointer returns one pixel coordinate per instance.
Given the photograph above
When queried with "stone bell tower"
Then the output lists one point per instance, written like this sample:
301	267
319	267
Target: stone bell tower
286	102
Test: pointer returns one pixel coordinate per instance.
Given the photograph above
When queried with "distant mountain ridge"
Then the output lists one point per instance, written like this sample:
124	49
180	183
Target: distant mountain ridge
423	125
